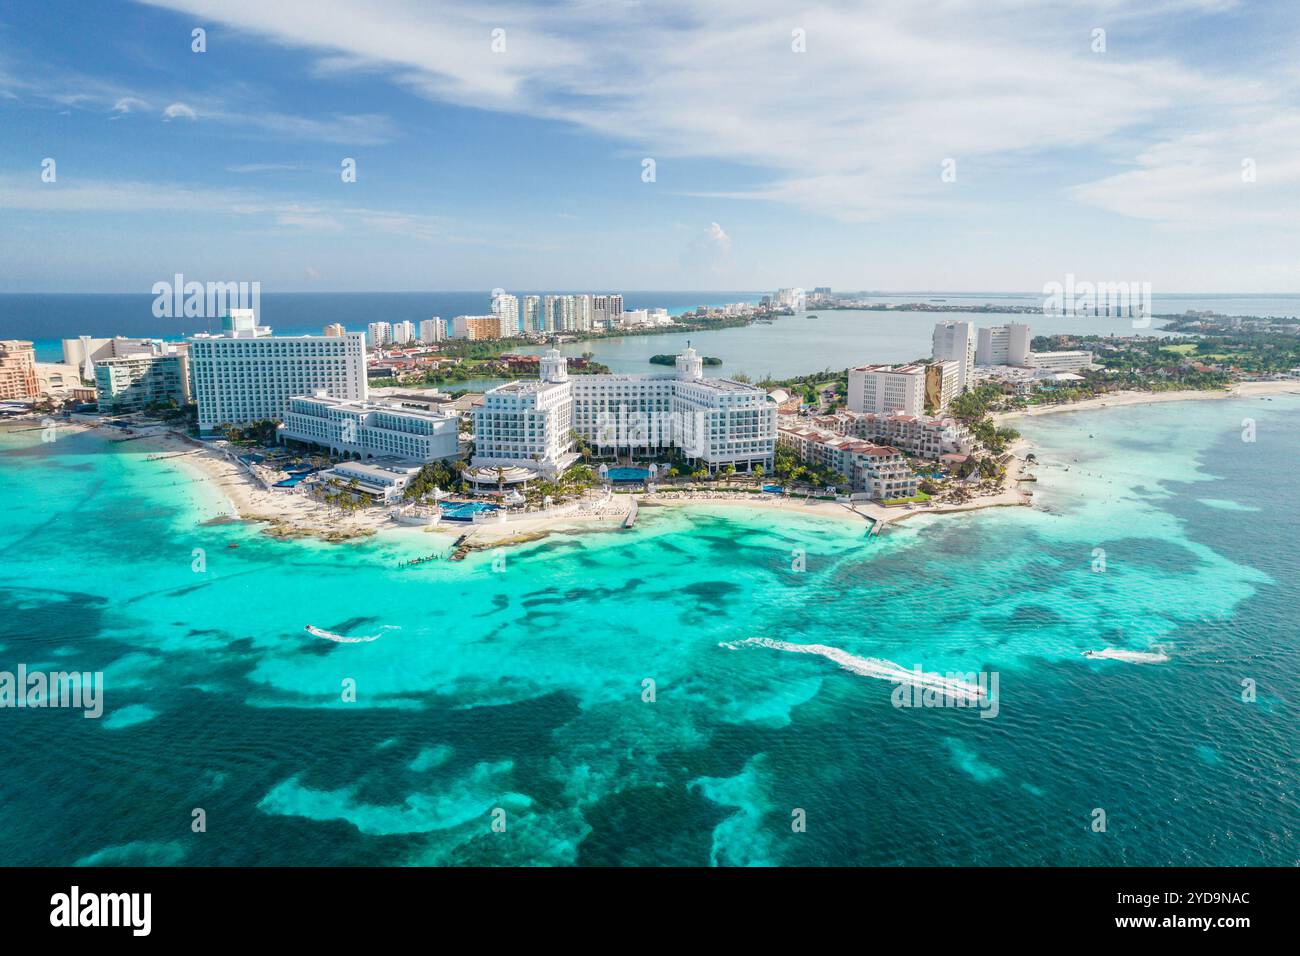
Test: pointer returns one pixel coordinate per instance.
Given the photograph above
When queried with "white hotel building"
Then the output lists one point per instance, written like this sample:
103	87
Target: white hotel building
369	430
1003	345
247	375
887	389
716	422
955	342
878	471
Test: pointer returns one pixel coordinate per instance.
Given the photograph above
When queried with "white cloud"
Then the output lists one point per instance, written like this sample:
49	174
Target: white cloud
856	126
20	192
265	167
178	110
126	104
719	238
1244	174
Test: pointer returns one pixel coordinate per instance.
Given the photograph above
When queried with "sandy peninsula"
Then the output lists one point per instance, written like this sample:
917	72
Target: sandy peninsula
1127	398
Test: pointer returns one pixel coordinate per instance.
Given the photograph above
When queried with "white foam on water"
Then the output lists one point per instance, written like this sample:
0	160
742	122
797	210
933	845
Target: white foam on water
341	639
870	667
1133	657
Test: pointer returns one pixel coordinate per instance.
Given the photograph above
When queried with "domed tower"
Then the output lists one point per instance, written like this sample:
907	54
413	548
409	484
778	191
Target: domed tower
554	367
690	367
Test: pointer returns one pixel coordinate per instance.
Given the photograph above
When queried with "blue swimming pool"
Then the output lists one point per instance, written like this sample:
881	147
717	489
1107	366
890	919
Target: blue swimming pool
628	474
464	510
773	489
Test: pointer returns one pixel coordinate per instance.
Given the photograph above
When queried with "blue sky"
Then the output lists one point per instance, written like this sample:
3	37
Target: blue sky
522	167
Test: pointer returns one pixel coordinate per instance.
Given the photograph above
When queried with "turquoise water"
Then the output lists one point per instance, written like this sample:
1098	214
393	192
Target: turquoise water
520	686
628	474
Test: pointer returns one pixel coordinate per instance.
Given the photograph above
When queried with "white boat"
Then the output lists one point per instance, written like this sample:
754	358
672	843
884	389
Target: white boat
1133	657
338	638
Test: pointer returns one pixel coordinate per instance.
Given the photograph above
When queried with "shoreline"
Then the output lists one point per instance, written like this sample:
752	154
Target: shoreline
289	515
1126	399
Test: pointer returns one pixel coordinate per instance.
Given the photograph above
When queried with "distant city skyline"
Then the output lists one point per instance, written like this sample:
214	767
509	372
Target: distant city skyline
899	147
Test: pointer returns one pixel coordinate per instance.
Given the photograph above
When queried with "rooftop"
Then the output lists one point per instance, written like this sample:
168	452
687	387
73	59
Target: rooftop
378	405
895	369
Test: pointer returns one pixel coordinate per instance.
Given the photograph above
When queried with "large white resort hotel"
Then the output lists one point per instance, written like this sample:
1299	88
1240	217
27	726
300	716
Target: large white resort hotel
529	428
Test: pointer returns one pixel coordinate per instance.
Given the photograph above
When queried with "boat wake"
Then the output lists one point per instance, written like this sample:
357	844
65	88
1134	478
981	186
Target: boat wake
871	667
341	639
1133	657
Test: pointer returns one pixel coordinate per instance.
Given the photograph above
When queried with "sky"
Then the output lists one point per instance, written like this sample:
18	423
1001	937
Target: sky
615	144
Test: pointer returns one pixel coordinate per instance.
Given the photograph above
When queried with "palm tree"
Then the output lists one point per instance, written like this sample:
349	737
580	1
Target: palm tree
759	472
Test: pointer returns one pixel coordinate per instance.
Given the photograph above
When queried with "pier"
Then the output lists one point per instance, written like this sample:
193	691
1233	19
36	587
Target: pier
631	514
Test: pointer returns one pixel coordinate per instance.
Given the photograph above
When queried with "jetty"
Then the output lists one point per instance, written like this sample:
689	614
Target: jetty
630	520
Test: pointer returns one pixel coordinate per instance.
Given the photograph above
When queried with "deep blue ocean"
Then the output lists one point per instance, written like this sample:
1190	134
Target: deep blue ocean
787	348
47	318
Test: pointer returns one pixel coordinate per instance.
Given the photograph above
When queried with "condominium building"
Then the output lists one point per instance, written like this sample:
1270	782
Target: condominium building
506	308
372	429
955	342
550	311
379	334
532	315
887	389
606	310
18	369
1003	345
403	332
941	385
334	329
433	330
563	317
878	471
241	379
476	327
84	351
130	383
582	313
716	422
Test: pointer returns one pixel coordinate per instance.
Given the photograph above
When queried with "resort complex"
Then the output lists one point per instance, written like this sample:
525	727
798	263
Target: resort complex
713	422
303	415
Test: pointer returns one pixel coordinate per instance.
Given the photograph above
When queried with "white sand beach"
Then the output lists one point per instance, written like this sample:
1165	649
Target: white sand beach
1124	399
289	514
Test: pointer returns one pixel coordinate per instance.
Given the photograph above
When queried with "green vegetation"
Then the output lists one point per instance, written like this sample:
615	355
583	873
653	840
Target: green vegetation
972	409
914	499
262	432
438	474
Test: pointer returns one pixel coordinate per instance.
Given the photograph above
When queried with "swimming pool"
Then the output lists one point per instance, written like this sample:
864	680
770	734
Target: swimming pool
464	510
773	489
628	474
